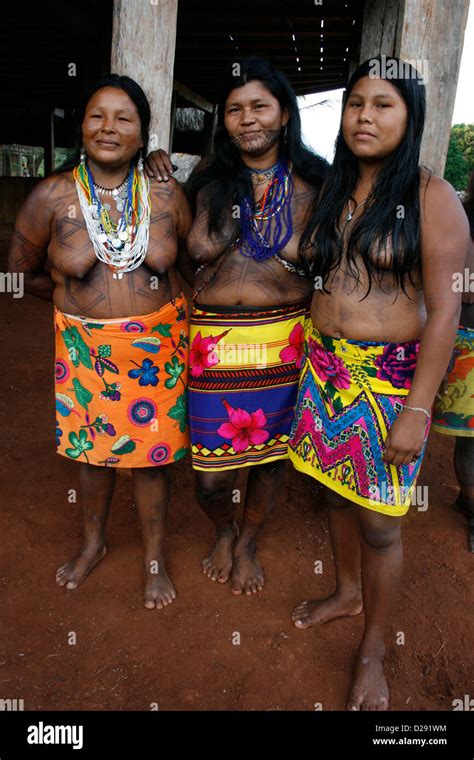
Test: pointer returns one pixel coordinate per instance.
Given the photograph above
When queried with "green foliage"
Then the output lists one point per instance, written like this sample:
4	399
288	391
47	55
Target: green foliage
464	135
457	168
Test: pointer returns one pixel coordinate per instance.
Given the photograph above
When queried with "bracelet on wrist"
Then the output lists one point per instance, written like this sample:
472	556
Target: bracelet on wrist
418	409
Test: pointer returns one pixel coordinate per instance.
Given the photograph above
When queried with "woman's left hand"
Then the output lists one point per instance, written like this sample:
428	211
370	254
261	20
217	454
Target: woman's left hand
406	438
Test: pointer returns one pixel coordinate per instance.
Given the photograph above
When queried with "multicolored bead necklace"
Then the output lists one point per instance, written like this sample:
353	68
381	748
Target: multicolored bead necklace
259	176
267	225
122	245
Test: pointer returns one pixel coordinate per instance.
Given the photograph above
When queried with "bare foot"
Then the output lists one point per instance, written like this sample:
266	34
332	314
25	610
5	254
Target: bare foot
318	611
159	591
72	573
247	573
369	688
218	565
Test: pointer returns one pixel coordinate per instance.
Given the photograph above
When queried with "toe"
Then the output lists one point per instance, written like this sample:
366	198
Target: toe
355	701
300	623
301	607
298	611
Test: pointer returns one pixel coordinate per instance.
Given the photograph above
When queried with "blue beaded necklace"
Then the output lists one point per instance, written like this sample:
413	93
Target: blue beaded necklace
267	226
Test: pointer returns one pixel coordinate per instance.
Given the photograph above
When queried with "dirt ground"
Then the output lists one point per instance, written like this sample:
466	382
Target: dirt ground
183	658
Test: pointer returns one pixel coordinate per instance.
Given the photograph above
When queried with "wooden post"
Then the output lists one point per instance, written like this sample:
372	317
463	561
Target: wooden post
172	121
431	32
434	31
49	145
210	124
143	46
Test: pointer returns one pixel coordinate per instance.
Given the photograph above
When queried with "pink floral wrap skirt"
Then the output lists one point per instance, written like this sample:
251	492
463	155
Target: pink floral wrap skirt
243	382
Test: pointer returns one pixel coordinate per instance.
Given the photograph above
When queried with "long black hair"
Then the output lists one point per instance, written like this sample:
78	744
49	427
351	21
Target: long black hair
392	211
134	92
224	174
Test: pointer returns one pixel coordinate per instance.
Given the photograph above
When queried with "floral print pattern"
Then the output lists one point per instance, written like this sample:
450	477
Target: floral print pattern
244	428
99	368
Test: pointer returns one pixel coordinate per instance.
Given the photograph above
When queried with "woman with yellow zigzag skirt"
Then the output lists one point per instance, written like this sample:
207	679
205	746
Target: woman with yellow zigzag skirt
383	244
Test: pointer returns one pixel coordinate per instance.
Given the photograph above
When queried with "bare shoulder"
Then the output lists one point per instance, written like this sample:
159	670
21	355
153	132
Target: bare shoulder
46	193
302	188
168	193
436	192
444	223
442	213
169	201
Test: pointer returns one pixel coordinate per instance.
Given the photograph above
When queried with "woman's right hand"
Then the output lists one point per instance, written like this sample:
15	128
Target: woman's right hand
158	165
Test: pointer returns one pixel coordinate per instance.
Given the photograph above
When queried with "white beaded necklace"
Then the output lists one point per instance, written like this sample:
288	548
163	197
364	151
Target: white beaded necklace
124	248
119	194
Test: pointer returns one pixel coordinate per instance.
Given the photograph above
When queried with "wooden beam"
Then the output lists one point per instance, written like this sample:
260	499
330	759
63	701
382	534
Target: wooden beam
312	34
192	97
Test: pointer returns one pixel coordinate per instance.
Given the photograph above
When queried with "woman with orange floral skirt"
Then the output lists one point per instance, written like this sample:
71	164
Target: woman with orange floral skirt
101	242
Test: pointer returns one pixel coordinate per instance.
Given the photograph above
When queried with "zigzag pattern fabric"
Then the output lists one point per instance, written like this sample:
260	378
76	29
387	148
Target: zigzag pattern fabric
350	394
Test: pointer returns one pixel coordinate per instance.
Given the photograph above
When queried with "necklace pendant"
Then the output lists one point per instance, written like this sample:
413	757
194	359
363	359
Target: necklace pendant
107	206
117	275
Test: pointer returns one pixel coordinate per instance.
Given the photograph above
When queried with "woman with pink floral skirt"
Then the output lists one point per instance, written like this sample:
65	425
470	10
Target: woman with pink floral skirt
251	200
